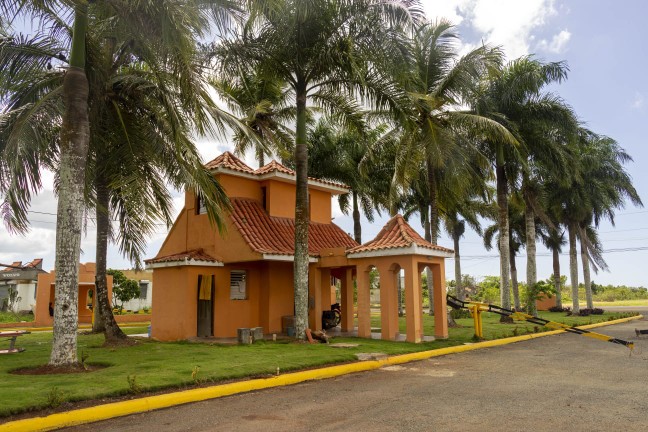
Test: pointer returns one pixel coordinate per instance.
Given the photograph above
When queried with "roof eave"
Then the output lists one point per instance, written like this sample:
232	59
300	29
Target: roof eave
286	258
413	249
286	178
184	262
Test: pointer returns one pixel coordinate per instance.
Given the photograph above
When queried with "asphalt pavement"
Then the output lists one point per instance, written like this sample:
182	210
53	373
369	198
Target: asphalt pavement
566	382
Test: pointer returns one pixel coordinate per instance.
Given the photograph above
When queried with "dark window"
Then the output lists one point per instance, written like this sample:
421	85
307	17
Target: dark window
200	205
143	290
264	198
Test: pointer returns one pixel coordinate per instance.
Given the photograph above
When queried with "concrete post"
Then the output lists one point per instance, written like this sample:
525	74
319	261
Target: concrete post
364	306
388	302
347	300
315	299
413	300
440	308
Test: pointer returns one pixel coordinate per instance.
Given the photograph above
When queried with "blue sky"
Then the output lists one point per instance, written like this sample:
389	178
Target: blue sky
603	43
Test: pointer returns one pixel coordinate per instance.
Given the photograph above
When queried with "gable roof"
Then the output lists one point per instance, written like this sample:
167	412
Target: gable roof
276	236
273	169
229	161
274	166
398	234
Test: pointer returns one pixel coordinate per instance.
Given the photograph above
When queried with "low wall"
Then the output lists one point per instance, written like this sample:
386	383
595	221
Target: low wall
121	319
545	303
16	324
132	318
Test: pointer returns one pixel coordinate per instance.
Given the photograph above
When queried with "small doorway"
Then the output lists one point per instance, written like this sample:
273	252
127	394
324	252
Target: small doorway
205	325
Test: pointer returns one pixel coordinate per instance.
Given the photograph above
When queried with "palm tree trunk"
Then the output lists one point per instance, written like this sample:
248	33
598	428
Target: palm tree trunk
112	332
428	270
357	228
434	205
573	268
586	273
301	217
514	283
502	203
556	275
434	224
260	156
75	136
531	276
457	268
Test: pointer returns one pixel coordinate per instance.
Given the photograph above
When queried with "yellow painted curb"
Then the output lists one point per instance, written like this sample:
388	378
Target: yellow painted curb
119	409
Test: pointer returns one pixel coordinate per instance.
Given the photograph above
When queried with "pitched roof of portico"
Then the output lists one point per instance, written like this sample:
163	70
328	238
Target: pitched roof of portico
398	237
271	235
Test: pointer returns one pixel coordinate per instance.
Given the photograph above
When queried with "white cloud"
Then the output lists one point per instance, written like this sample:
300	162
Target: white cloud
509	23
558	43
638	101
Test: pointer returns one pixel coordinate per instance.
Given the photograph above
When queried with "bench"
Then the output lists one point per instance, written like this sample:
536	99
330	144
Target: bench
12	335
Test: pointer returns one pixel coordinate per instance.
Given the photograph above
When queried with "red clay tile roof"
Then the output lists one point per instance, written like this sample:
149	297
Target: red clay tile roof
14	266
195	254
275	166
272	167
36	263
228	160
275	235
397	234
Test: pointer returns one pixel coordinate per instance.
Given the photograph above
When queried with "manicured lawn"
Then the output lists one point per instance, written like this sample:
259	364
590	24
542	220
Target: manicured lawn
493	329
151	366
601	304
10	317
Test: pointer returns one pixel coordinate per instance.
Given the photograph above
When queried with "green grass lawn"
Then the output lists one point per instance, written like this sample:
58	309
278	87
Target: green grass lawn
493	329
10	317
156	365
602	304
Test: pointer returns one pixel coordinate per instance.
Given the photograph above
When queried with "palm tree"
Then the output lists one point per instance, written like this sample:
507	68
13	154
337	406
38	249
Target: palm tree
607	185
599	186
343	155
437	80
505	99
261	102
554	240
73	149
321	50
135	100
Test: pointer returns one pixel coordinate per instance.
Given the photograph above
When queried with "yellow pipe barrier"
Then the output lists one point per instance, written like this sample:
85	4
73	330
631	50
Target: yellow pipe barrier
123	408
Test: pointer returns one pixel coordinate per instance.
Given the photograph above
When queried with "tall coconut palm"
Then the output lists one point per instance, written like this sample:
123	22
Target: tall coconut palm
73	148
343	155
600	185
437	81
607	185
503	99
138	97
262	104
321	49
554	240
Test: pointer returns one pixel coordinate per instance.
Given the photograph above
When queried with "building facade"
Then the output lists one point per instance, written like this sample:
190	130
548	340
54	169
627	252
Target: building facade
209	284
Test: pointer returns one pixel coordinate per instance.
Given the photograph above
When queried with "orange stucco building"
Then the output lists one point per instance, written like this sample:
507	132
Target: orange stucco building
45	294
208	284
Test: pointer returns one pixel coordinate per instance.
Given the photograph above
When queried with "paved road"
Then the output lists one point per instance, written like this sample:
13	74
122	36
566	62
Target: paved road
564	382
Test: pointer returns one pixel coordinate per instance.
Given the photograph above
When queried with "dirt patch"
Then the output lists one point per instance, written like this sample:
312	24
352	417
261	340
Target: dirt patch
56	370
